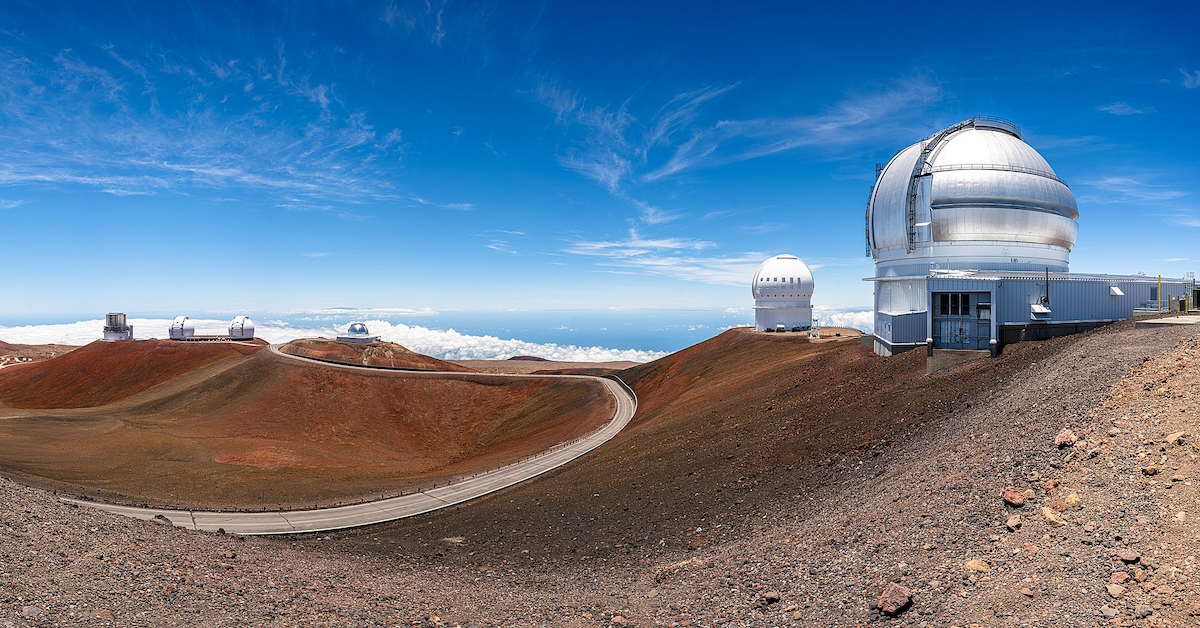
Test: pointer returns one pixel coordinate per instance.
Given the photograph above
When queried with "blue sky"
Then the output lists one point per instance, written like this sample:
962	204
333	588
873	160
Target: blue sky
181	157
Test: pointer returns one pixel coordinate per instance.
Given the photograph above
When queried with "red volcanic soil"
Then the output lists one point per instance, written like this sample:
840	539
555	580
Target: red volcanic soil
104	372
369	354
268	428
733	426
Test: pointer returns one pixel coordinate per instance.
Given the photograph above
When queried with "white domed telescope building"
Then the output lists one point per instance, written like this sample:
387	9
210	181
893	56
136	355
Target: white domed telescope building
357	332
971	231
783	289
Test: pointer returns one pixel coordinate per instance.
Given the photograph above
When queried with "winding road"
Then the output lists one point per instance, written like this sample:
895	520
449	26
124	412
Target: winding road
342	517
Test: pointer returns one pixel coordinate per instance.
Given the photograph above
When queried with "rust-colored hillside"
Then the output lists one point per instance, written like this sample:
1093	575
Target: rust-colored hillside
104	372
386	354
269	428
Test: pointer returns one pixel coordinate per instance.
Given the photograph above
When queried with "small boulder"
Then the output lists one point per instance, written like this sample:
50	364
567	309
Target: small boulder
1072	500
1065	438
1150	469
619	620
894	599
1052	518
1128	555
978	565
1119	577
1176	438
1115	590
1108	611
1013	496
1013	523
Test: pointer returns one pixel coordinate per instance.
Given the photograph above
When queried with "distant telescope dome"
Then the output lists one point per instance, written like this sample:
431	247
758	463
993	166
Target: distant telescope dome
358	333
241	328
973	195
182	328
782	288
783	278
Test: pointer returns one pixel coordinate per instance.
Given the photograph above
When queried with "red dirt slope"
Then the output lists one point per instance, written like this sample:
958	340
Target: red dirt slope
104	372
266	427
373	354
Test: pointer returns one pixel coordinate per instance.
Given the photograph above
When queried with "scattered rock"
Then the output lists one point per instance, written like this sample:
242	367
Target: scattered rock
1115	590
978	565
1108	611
1141	611
30	611
1052	518
619	620
1150	469
1065	438
1119	577
1013	523
1129	556
1013	496
1072	500
1026	591
1176	438
895	599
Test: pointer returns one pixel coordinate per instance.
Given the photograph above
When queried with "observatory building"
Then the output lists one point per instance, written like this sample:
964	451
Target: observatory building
782	288
240	328
971	232
115	327
358	333
182	329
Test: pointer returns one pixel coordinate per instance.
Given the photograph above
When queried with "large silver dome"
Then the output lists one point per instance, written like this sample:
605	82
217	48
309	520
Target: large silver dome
973	195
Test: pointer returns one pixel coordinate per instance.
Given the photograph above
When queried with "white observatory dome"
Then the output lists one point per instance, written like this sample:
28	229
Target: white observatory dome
783	278
972	196
782	288
242	328
182	328
357	329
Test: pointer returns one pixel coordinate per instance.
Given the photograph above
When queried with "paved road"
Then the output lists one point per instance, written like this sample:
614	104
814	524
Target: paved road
323	519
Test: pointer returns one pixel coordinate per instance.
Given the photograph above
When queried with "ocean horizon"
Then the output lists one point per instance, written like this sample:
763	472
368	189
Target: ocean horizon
637	335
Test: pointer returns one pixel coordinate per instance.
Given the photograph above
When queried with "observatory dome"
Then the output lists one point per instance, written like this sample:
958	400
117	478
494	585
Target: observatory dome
974	195
783	278
357	329
182	328
782	288
242	328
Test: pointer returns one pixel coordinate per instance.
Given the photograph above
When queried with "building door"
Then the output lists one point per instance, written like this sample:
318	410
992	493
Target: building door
962	320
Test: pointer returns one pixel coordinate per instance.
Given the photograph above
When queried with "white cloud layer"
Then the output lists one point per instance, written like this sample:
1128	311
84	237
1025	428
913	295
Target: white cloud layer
862	320
444	344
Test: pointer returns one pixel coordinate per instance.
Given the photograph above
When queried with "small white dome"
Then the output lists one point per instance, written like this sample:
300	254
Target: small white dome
182	328
357	329
242	328
782	278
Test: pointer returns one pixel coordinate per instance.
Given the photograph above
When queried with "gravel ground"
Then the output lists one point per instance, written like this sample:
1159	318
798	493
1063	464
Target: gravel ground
923	518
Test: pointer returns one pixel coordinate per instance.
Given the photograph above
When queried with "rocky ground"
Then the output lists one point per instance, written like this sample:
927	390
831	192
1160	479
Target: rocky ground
1092	439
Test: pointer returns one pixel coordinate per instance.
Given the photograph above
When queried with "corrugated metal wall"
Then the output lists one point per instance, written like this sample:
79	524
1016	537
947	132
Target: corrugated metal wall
1070	299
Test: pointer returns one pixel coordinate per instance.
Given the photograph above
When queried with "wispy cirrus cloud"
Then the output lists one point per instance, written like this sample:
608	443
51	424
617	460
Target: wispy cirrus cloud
1128	189
10	203
428	203
619	150
1121	109
1191	78
316	254
853	120
98	121
678	258
1184	218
